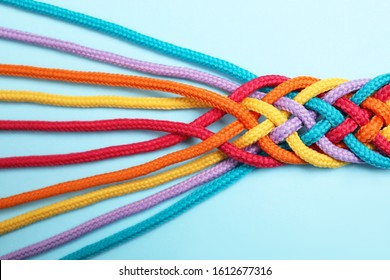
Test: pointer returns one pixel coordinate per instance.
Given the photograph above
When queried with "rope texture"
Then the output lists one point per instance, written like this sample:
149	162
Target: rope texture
365	127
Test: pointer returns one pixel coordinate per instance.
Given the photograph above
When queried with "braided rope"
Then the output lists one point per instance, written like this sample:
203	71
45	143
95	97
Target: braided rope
184	129
146	203
118	60
370	128
132	36
108	152
147	83
191	200
261	107
210	143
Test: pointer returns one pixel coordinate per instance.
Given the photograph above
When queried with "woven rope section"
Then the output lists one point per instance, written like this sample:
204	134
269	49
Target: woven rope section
277	120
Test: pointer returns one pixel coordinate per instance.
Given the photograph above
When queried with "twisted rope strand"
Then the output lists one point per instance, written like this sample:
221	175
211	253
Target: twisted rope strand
101	101
120	124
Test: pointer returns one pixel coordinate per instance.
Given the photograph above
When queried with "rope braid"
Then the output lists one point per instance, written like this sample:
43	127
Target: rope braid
345	122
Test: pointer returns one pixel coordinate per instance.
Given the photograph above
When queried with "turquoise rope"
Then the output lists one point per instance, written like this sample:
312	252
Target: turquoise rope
132	36
197	196
369	88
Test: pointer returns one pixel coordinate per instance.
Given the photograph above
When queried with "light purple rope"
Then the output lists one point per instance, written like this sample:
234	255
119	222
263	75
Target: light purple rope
125	211
121	61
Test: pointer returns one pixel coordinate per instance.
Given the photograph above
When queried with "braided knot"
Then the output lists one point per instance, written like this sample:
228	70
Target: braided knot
340	122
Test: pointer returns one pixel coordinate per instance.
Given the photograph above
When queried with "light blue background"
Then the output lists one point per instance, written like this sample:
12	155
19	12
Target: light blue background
286	213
